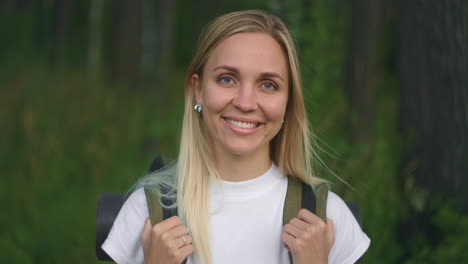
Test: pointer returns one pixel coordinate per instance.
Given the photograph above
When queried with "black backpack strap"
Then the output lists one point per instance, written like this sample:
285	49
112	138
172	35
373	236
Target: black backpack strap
308	199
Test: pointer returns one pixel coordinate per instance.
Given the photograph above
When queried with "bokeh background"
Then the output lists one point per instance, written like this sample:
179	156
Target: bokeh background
92	91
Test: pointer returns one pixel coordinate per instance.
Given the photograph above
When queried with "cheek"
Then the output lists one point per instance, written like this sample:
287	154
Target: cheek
275	109
215	99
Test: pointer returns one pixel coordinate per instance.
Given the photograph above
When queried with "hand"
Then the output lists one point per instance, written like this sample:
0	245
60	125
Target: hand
166	242
308	238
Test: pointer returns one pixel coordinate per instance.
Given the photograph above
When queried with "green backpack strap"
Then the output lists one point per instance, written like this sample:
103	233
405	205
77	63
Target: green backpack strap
321	192
292	203
154	207
301	195
156	212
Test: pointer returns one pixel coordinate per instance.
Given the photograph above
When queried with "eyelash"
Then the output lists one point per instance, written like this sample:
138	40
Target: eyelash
220	79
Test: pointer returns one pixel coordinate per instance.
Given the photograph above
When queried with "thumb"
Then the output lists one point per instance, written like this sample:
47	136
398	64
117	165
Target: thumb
330	231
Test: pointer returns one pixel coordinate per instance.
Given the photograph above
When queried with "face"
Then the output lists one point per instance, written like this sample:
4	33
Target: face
244	92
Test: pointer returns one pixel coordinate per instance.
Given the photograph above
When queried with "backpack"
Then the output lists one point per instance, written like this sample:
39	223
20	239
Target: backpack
298	195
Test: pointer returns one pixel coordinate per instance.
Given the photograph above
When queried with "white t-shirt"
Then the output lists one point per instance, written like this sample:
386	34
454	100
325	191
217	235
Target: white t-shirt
246	225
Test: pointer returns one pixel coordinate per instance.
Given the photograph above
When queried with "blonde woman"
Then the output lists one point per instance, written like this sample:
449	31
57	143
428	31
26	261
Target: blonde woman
245	132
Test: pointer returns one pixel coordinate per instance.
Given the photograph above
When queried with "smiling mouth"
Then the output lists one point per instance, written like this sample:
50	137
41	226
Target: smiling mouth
240	124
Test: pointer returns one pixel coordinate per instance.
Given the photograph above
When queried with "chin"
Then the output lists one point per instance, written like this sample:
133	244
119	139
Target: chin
241	149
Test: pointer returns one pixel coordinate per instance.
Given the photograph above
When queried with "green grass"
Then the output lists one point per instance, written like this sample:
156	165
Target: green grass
64	142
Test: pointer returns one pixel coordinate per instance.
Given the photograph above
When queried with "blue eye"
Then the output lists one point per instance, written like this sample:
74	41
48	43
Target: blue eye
226	80
269	86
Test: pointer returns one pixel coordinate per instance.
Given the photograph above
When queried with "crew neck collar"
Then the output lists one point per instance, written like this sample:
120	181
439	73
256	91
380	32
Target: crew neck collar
249	188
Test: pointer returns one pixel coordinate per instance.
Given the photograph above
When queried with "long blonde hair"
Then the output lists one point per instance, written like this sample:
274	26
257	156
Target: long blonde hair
291	148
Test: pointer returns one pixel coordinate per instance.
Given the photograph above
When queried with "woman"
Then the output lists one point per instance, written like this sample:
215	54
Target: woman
245	131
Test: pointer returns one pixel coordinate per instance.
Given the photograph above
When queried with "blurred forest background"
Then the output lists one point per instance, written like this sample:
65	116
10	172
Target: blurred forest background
92	91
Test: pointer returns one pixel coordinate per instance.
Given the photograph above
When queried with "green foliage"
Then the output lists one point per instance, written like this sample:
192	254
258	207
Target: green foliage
65	142
447	241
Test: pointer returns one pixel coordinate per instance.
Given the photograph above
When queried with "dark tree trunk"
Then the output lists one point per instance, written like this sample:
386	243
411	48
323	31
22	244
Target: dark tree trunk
433	64
363	67
62	13
167	10
94	37
433	70
127	42
39	25
149	52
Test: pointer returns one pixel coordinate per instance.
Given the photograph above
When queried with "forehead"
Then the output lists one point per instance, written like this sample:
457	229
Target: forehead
253	52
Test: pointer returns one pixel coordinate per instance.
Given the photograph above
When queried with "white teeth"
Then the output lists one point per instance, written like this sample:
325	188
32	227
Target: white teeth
241	124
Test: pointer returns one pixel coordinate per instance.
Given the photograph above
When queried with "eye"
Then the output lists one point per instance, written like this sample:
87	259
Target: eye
269	86
226	80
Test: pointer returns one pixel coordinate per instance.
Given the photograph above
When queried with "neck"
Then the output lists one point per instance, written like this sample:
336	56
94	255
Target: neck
236	168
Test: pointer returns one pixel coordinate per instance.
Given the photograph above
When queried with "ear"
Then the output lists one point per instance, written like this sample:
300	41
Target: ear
195	82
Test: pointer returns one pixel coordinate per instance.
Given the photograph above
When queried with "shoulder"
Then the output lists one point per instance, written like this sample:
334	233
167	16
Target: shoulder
350	241
135	207
336	207
123	242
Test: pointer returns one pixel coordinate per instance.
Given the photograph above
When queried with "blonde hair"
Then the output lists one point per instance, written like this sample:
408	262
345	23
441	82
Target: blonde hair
291	148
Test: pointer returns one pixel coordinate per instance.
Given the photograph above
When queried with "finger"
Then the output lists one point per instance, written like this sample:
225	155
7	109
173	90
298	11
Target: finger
185	252
330	231
183	241
187	238
146	232
292	230
308	216
168	223
178	231
302	225
288	240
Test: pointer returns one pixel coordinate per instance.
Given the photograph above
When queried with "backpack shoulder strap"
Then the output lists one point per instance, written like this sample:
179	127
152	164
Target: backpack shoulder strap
301	195
156	212
321	192
292	202
154	207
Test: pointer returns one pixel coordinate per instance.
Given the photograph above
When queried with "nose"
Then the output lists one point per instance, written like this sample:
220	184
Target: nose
246	98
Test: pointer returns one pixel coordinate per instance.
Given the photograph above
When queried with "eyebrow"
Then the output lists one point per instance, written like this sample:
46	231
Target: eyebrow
226	67
271	75
235	70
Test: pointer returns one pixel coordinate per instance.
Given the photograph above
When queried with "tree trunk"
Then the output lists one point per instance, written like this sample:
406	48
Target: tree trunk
167	10
363	68
62	13
39	25
433	70
149	52
433	64
94	38
127	42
